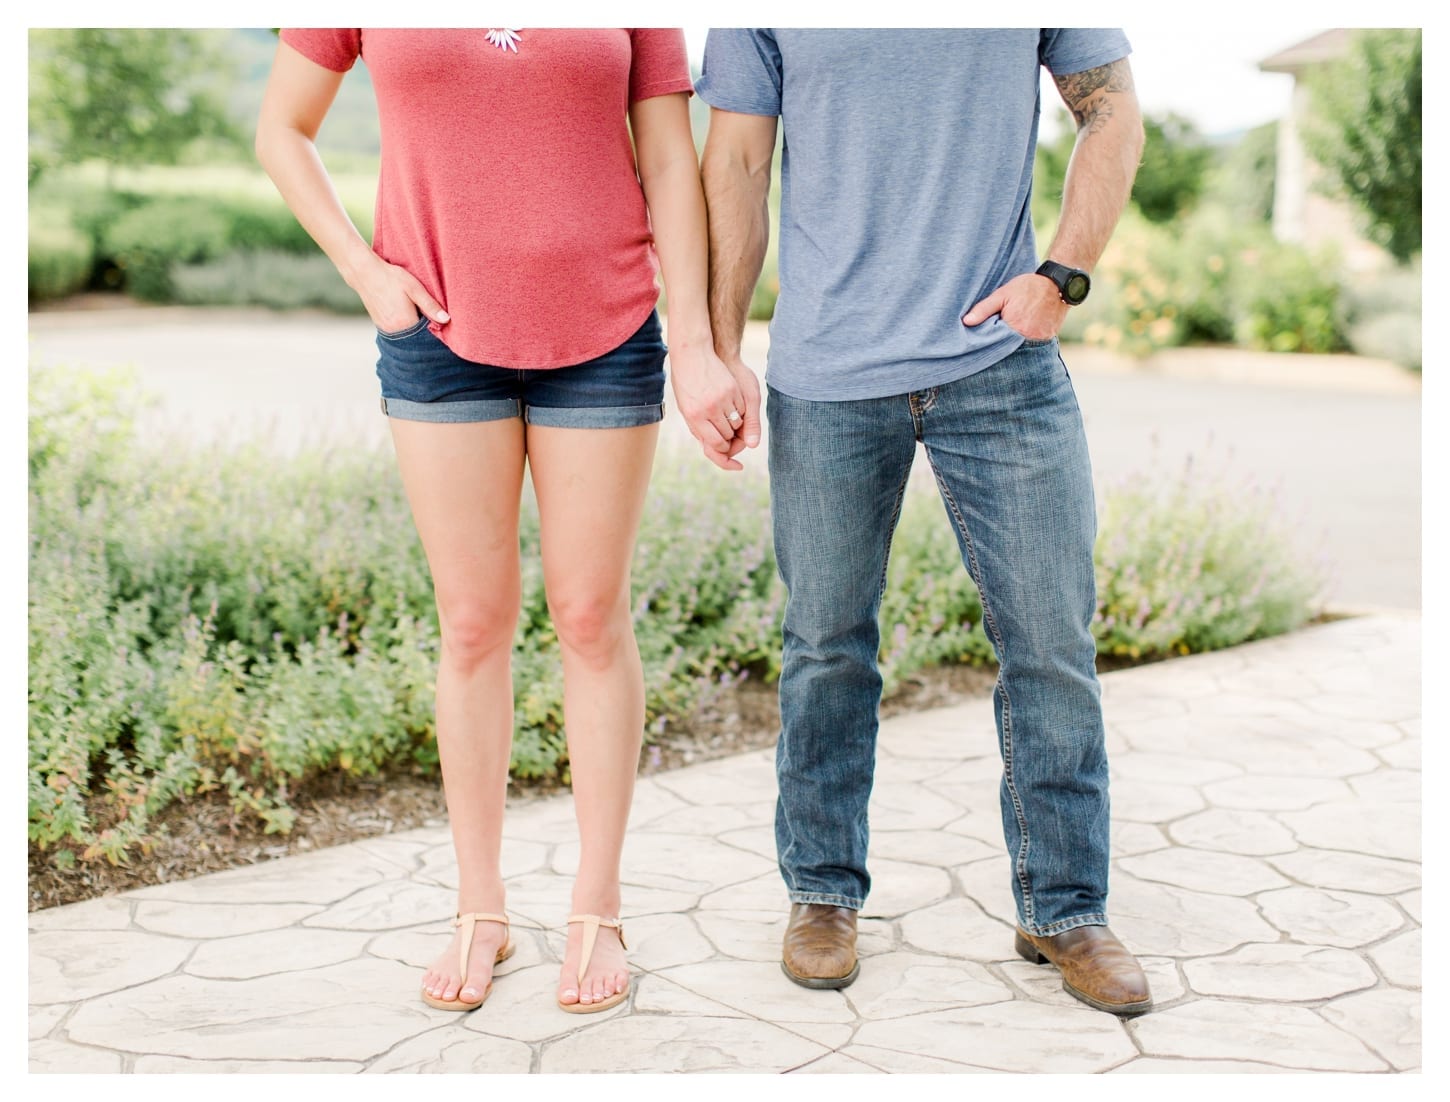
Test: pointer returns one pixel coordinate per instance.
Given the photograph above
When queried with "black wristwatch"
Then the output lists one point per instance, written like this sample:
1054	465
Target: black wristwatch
1073	284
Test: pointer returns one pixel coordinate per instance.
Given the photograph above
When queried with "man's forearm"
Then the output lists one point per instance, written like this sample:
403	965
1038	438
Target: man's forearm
1103	164
736	196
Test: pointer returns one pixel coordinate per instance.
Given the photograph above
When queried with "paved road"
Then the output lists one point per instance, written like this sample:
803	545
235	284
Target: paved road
1340	440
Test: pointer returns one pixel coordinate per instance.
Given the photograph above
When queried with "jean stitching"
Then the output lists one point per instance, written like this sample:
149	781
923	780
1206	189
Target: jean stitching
1064	924
828	899
891	529
1020	865
399	334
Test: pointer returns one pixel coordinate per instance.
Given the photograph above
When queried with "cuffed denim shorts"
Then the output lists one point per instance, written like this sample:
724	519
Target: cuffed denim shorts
425	380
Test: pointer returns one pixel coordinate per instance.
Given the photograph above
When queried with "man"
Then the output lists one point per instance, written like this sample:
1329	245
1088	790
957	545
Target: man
912	308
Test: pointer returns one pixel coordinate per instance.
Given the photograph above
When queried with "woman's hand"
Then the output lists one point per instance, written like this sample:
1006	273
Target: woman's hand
393	297
715	406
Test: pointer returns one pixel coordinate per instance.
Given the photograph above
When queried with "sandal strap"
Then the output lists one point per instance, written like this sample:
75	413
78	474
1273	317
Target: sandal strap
467	921
591	925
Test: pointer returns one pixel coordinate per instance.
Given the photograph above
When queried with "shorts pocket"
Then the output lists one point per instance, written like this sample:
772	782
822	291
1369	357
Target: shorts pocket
398	334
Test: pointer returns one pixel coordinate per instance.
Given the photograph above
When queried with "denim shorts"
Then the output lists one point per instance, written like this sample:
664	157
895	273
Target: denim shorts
424	380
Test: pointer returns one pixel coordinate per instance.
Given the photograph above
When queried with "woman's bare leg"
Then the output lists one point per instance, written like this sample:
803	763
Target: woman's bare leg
590	484
463	483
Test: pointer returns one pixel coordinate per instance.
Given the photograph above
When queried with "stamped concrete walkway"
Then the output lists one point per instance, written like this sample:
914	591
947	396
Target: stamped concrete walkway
1266	808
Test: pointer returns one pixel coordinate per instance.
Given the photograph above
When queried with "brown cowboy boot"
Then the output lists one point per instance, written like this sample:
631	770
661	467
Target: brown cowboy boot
1096	968
820	945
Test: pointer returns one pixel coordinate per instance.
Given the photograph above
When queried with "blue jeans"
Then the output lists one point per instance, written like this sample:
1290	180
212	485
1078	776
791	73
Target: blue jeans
1010	458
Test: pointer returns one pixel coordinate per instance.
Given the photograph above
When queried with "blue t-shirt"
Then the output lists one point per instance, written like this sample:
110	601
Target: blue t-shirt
905	178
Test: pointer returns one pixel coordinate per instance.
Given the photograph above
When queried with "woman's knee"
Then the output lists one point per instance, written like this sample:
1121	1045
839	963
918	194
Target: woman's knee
474	632
591	625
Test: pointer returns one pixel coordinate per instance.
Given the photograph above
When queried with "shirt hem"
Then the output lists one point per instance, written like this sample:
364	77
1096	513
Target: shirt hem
1083	62
634	319
310	54
664	88
726	102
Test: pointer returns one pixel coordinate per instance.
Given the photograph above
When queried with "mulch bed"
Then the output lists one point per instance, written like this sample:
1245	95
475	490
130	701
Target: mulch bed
204	835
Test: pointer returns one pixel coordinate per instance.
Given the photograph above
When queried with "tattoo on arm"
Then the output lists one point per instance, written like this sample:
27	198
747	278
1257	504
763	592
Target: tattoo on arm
1087	94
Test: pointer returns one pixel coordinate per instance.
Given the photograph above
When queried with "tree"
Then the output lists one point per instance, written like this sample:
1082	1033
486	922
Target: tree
123	95
1244	178
1365	131
1175	161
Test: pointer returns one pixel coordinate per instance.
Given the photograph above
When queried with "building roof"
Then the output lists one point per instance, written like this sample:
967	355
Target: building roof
1325	46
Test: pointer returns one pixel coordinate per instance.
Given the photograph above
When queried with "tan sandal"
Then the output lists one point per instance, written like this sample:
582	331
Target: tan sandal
505	951
591	932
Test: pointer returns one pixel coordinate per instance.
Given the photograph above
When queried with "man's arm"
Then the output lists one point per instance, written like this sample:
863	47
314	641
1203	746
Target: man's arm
735	169
1103	164
1099	180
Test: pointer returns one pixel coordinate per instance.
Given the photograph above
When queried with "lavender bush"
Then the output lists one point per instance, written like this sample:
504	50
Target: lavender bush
213	621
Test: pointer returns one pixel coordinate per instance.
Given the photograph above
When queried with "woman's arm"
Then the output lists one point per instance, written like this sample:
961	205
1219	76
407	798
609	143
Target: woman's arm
705	390
299	93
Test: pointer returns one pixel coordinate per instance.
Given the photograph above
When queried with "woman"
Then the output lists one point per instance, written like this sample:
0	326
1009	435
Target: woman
511	279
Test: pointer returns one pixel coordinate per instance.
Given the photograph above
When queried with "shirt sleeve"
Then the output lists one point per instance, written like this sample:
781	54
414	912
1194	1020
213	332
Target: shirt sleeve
741	71
334	48
659	63
1064	50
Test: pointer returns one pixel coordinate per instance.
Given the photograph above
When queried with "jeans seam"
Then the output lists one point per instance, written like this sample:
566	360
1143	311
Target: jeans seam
890	531
828	899
1062	925
1020	864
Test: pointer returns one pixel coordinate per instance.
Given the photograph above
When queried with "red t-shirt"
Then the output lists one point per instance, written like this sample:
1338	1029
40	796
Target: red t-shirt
508	184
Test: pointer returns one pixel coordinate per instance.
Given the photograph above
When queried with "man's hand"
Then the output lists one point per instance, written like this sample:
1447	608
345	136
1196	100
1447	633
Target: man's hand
747	433
1030	304
720	405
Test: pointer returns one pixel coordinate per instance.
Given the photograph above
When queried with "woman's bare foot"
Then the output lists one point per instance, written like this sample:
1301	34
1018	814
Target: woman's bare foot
606	975
445	982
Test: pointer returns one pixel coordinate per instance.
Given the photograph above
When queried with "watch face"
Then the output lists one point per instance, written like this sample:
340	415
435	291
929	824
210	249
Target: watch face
1076	289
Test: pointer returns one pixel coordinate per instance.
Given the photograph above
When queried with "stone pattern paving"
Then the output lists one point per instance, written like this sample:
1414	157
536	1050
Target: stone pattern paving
1266	805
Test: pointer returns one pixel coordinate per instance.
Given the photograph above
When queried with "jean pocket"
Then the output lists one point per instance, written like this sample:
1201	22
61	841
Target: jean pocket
398	334
1027	342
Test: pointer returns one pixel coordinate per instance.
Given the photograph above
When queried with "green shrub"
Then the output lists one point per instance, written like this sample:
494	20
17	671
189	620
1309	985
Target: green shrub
254	225
1196	563
167	220
281	280
147	241
1380	315
61	258
1210	277
762	298
216	621
1285	300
